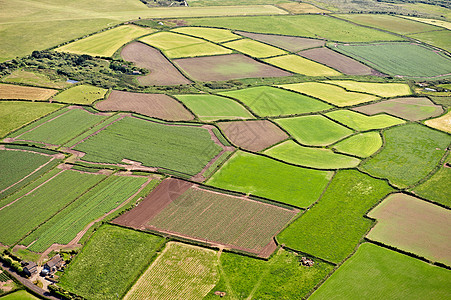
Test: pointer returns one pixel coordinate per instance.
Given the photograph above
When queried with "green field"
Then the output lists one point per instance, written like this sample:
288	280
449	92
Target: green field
81	94
270	101
379	89
19	295
185	149
261	176
378	273
320	158
216	35
361	145
361	122
110	263
22	76
254	48
314	130
333	227
440	38
410	153
300	65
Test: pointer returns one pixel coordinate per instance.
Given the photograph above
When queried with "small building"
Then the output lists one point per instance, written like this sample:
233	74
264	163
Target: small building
307	262
54	264
30	268
136	73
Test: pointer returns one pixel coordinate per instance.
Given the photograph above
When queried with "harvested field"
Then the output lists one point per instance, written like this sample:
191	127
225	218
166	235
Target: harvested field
361	122
81	94
253	135
361	145
184	209
301	8
442	123
412	109
216	35
413	225
387	90
153	105
338	61
18	92
290	43
226	67
300	65
254	48
161	71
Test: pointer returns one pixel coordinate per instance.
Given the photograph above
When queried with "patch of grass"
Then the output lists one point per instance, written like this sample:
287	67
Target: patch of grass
194	3
361	145
442	123
254	48
440	23
213	34
26	254
81	94
361	122
20	295
202	49
300	65
379	89
440	38
49	80
333	227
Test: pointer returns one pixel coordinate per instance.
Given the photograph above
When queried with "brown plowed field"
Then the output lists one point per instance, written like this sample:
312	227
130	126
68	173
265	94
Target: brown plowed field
253	135
162	72
226	67
152	105
290	43
337	61
16	92
184	209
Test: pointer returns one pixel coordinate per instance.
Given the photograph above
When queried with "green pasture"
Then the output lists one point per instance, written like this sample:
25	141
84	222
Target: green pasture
262	176
387	90
195	3
334	226
314	130
202	49
20	295
440	38
361	145
39	79
216	35
300	65
254	48
436	22
81	94
361	122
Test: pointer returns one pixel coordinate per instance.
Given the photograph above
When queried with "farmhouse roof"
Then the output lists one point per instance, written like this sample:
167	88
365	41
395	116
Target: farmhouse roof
56	261
31	267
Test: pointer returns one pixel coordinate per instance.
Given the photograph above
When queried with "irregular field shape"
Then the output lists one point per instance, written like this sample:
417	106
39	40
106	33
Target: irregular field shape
203	49
413	225
211	107
294	153
216	35
153	105
109	250
330	93
442	123
435	22
81	94
301	8
262	176
387	90
361	122
107	42
335	225
373	267
410	153
170	40
437	188
38	79
297	64
20	295
226	67
361	145
181	148
440	38
344	64
412	109
253	135
161	71
290	43
18	92
314	130
271	101
254	48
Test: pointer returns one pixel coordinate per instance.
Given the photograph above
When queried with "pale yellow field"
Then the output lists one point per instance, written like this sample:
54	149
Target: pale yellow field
442	123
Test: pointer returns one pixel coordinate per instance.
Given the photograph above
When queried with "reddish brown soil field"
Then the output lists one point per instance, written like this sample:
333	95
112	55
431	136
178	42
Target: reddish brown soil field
226	67
337	61
152	105
290	43
411	108
16	92
253	135
162	72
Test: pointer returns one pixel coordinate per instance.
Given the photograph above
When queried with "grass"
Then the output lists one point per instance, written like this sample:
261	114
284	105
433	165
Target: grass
110	263
440	38
319	158
27	255
409	154
314	130
18	92
22	76
333	227
212	34
20	295
202	49
261	176
387	90
373	267
300	65
441	123
185	149
363	122
84	94
212	108
435	22
268	101
361	145
254	48
194	3
330	93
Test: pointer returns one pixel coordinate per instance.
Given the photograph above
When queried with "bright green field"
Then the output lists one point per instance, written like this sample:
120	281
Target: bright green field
441	38
15	114
81	94
269	101
374	272
361	145
320	158
19	295
330	93
107	42
212	34
203	49
333	227
378	89
254	48
361	122
211	107
298	64
262	176
314	130
410	153
110	263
